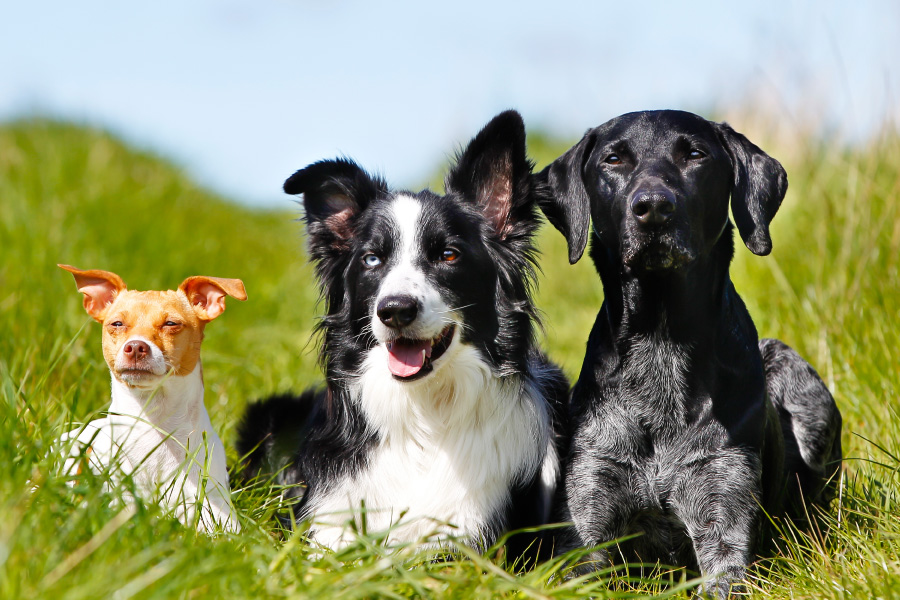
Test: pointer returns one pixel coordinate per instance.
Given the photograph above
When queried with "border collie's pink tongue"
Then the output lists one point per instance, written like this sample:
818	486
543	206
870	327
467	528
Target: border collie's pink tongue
406	358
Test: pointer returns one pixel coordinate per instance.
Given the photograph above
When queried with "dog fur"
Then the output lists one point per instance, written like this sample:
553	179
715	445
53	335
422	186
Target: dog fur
439	410
157	430
684	423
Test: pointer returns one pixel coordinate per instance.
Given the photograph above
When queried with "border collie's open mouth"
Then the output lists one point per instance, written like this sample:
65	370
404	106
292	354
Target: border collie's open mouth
411	359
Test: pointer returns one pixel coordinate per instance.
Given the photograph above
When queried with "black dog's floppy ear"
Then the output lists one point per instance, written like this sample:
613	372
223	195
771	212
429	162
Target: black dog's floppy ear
334	193
760	183
563	198
494	171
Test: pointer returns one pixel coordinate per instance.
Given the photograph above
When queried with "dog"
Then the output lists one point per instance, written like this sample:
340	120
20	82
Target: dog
438	406
157	429
684	424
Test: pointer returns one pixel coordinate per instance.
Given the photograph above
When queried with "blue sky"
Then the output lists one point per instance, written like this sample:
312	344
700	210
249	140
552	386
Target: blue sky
241	94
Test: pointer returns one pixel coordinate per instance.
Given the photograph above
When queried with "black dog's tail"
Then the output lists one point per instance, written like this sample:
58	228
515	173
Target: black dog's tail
271	432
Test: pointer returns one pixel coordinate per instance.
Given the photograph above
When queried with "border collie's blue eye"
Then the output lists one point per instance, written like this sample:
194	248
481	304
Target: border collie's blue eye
449	255
371	260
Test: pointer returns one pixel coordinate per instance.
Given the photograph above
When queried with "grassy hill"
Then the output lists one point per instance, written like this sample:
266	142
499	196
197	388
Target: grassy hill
831	288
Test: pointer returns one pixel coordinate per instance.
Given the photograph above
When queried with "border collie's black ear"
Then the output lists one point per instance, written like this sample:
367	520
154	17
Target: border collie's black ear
760	183
562	196
334	193
494	171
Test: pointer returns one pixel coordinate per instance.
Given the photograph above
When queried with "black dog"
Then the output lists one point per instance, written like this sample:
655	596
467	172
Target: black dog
438	402
683	422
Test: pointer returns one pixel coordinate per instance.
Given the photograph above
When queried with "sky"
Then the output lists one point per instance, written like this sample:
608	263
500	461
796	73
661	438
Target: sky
241	94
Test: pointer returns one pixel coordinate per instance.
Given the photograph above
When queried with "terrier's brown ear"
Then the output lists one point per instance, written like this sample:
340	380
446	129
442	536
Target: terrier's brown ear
207	294
100	289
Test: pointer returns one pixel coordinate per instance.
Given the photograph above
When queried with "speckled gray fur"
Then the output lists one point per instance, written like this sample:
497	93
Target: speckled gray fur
682	422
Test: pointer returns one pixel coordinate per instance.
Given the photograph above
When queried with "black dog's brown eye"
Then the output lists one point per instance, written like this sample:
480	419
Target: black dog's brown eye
695	154
449	255
613	159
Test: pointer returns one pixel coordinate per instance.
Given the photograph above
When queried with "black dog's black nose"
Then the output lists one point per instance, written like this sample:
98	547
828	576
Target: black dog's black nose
397	311
653	208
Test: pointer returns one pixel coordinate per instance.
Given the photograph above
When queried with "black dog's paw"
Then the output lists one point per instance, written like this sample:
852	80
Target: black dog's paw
728	584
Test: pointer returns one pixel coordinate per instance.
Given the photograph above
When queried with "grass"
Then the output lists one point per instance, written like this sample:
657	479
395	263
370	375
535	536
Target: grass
831	288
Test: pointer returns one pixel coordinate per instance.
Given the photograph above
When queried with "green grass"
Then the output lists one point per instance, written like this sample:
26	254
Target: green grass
831	288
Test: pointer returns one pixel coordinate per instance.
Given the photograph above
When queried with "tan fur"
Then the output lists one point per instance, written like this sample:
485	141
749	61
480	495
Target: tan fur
197	301
157	429
145	314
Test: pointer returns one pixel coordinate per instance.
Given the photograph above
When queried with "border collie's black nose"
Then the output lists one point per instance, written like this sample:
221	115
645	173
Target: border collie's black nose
653	207
397	311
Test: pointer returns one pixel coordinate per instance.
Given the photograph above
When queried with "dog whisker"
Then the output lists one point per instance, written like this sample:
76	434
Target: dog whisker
428	410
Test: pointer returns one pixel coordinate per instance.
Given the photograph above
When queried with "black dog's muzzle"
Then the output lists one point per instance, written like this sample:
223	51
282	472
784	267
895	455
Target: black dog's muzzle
653	208
656	235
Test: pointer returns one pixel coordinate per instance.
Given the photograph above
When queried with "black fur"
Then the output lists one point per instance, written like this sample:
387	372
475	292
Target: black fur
682	427
488	216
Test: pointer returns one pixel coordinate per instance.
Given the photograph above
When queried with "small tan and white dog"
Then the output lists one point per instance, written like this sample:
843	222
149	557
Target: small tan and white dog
157	429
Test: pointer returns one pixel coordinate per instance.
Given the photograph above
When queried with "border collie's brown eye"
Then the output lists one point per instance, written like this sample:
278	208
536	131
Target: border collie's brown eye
613	159
449	255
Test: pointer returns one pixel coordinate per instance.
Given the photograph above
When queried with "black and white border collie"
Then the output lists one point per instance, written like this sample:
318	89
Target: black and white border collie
438	407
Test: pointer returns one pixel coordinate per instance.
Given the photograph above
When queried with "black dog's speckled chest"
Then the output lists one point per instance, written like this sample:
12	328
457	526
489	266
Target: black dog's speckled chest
653	435
654	432
683	422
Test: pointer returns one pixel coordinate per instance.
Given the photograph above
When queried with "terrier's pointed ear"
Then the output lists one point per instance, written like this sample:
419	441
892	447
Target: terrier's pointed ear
561	194
207	294
100	289
493	170
759	186
334	192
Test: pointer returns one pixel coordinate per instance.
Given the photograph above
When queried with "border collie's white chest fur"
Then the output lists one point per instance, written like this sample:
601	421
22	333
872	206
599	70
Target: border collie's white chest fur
439	411
449	450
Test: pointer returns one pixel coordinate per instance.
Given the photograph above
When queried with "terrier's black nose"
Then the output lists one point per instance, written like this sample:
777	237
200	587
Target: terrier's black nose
397	311
653	207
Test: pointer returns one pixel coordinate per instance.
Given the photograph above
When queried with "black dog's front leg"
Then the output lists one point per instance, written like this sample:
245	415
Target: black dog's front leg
717	500
601	503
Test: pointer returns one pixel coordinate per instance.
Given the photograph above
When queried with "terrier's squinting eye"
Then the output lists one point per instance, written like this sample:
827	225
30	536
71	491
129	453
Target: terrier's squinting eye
170	324
613	159
117	324
371	260
450	255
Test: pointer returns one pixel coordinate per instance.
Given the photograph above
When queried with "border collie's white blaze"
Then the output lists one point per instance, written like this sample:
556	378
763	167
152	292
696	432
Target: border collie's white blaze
411	348
439	407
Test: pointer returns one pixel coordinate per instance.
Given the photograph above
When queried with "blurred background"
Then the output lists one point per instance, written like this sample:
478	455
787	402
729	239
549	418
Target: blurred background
152	139
240	93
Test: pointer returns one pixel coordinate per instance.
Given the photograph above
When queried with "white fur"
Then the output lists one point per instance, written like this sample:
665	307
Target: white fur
162	436
156	363
451	446
404	278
